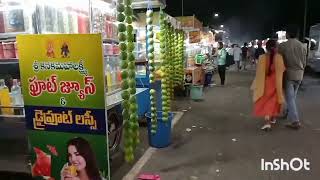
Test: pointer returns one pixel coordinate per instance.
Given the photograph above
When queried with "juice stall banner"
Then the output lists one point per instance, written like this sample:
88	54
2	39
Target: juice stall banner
63	86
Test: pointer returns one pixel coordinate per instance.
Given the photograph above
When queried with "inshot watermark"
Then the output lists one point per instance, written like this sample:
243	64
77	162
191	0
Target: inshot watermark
295	164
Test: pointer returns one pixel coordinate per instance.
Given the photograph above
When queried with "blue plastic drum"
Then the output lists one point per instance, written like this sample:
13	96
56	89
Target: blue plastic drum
162	138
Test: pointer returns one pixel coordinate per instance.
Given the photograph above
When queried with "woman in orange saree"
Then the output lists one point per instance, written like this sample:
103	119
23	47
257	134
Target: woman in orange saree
267	86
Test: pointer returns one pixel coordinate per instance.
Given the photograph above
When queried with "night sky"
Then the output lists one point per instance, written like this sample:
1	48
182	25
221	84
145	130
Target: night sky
249	19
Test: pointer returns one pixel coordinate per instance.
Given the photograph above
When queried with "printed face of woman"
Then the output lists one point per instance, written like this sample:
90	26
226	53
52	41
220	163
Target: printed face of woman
75	158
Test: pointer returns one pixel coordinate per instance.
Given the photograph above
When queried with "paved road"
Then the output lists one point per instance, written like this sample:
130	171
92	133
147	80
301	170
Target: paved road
226	143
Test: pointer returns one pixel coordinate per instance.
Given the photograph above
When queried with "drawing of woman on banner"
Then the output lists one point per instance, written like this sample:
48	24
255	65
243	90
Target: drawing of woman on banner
82	163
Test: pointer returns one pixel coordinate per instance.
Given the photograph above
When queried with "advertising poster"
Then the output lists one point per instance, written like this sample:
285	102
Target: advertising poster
63	86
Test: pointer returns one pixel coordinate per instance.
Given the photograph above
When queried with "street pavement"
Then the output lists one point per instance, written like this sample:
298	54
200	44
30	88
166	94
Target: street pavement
226	143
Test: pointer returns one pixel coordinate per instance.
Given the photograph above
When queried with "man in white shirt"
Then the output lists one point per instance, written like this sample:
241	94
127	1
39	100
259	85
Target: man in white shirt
237	55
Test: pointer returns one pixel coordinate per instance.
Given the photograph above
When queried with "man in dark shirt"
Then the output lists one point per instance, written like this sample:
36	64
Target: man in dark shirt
245	55
295	55
259	51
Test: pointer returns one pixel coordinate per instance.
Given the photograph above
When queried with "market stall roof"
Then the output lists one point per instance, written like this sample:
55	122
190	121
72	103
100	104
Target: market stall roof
190	23
143	4
141	20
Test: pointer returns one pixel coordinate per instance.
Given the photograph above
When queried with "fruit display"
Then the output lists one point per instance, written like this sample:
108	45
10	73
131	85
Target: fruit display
151	58
172	58
129	104
176	60
169	62
180	58
164	57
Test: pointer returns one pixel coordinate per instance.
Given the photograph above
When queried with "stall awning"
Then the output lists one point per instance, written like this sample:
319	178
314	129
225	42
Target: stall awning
143	4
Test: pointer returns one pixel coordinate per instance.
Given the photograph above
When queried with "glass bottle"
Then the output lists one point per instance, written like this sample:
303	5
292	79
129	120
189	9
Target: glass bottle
5	99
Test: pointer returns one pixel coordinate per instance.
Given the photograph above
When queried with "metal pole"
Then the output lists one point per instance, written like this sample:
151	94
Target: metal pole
182	5
305	18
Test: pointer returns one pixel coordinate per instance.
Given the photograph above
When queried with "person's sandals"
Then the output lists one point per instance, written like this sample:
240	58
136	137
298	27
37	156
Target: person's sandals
294	125
266	127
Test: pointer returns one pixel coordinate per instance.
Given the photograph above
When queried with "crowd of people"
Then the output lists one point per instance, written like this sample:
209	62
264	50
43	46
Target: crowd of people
223	57
279	74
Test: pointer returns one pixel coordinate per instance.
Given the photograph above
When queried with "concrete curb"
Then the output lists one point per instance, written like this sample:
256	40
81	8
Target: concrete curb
135	170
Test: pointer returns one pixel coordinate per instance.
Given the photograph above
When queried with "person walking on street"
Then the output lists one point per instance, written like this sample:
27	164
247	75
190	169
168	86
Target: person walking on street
237	55
230	57
208	67
294	53
259	51
251	54
222	56
267	86
245	55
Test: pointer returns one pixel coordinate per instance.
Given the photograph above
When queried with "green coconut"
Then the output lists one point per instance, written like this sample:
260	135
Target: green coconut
122	36
131	57
133	91
151	76
151	68
121	27
132	83
130	37
130	46
125	94
124	64
129	28
150	56
133	108
120	7
129	20
124	74
152	92
151	48
131	65
150	34
150	41
123	46
128	11
149	21
123	55
125	84
127	2
132	74
120	17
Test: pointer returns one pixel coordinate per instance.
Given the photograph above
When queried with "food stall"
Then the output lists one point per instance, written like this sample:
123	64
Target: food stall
193	27
60	17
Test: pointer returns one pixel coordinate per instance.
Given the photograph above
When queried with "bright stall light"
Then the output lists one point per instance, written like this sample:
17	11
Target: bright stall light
105	6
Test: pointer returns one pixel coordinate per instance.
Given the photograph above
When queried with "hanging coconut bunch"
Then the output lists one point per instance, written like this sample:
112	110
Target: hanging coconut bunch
129	104
150	42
